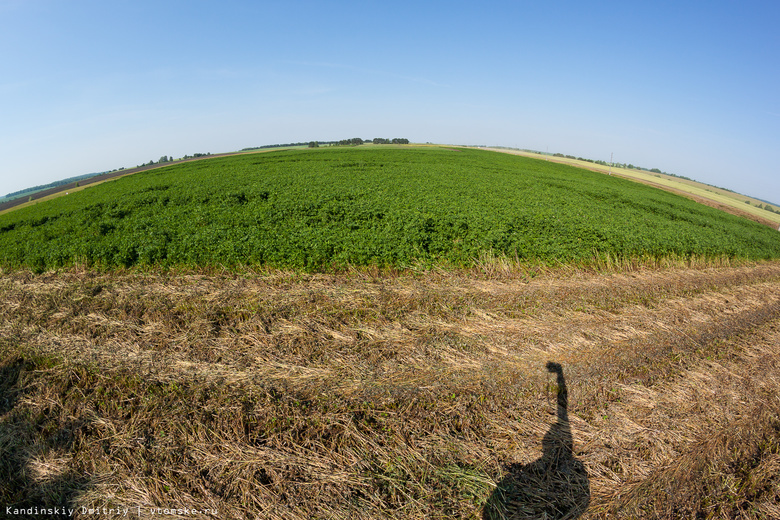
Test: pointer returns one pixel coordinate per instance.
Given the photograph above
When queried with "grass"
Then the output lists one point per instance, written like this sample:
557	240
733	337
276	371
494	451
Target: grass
53	196
387	394
728	198
130	172
335	207
734	200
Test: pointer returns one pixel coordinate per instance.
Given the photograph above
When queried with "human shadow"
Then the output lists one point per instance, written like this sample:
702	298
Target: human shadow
555	486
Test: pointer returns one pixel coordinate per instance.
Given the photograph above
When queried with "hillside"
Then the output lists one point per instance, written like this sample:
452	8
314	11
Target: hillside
386	206
726	200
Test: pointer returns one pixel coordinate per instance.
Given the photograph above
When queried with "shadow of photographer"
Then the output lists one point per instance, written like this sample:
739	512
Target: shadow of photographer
553	487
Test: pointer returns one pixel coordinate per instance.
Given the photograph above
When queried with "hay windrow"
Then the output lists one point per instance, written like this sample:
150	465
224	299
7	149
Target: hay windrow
392	395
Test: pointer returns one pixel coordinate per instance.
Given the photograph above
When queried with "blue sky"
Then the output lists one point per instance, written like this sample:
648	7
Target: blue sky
692	88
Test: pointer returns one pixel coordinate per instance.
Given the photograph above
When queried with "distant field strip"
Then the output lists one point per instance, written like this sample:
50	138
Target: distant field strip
364	396
336	207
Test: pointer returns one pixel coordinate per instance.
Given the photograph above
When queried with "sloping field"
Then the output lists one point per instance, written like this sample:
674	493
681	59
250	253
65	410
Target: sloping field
76	186
726	200
394	395
332	208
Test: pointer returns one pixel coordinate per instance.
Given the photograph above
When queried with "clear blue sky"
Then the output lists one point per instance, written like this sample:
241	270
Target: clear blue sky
692	88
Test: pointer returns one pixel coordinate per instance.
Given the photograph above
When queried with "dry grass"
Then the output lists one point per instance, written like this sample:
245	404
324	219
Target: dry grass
371	394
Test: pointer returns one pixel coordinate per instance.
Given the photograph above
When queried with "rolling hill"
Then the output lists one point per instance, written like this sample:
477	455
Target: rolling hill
386	206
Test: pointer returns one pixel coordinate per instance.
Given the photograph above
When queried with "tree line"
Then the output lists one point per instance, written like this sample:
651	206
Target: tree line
355	141
309	144
377	140
166	159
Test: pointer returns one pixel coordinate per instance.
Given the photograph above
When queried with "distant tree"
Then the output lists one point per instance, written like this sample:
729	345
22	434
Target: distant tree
314	144
351	142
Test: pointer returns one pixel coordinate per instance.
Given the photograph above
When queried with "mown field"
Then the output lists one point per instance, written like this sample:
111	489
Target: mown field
336	207
412	395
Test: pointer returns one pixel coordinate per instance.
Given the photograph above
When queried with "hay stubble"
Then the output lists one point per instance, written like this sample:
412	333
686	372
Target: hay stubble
371	395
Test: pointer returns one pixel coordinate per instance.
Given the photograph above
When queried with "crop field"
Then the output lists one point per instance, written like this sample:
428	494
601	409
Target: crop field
338	207
737	202
383	333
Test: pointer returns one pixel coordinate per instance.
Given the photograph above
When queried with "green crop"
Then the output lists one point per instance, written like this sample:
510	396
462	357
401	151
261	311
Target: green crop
333	207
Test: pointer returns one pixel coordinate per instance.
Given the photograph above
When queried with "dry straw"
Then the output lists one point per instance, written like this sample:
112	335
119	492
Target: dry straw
395	394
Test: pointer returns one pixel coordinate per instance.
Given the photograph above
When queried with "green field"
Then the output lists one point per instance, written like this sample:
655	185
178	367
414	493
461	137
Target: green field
334	207
739	202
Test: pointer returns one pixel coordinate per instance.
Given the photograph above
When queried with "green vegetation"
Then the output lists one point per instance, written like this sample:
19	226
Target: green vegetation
336	206
35	189
722	197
